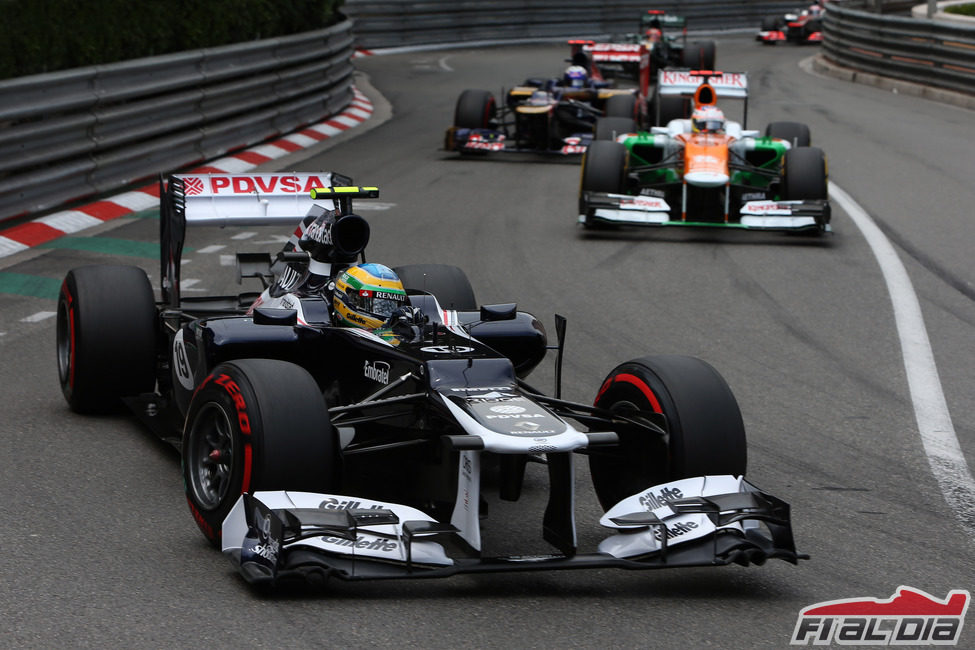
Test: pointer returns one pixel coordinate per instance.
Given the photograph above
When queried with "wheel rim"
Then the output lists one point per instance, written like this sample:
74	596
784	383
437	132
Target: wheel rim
64	336
210	456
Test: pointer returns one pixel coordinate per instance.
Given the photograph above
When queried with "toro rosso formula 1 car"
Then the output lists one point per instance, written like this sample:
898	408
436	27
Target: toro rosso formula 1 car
312	450
704	170
549	116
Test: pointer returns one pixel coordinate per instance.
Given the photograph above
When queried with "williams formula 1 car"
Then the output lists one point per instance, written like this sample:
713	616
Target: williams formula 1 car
312	450
550	116
716	173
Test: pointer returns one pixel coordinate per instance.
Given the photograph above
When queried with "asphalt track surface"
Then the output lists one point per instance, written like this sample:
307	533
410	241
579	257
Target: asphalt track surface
99	548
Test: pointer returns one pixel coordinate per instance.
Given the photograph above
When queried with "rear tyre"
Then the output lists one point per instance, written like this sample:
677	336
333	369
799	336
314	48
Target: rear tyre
672	108
475	109
106	336
700	55
706	435
795	133
255	424
621	106
608	128
448	283
804	174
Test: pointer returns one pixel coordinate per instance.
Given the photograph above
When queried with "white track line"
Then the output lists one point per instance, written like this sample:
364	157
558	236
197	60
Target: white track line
930	408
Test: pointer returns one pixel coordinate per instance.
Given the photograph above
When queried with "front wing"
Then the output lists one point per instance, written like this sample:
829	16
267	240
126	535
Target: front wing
480	141
703	521
627	210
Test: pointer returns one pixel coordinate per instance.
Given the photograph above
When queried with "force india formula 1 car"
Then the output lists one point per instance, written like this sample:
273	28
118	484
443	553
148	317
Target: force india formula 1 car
549	116
311	450
804	26
734	178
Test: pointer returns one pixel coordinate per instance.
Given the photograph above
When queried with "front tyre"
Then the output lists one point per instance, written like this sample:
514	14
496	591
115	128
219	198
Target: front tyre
475	109
706	435
804	174
255	424
106	336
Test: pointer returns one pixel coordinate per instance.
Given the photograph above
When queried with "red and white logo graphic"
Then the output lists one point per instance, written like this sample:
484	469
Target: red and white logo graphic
909	617
193	186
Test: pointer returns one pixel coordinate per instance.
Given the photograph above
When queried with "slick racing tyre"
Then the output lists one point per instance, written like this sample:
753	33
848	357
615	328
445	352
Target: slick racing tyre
795	133
603	170
621	106
475	109
604	167
609	128
700	55
255	424
706	435
448	283
670	108
804	174
106	336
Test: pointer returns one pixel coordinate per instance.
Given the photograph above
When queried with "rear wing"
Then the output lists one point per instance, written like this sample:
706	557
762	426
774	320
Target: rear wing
241	200
664	20
685	82
624	53
701	87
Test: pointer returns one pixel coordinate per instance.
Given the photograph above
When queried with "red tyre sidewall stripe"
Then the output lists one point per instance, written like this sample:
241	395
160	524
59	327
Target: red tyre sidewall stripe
71	344
641	385
245	485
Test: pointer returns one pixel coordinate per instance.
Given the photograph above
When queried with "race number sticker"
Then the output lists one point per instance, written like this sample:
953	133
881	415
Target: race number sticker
181	362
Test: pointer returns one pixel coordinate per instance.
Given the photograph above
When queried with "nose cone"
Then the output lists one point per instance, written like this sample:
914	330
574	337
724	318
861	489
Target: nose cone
706	178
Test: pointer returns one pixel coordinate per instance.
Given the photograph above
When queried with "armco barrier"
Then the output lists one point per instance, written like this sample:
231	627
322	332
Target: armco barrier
396	23
81	132
929	52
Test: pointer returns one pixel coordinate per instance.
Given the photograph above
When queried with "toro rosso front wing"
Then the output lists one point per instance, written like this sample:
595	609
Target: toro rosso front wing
629	210
703	521
482	141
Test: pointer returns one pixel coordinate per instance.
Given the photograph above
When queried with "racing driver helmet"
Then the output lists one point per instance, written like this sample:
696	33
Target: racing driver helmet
366	295
576	77
707	119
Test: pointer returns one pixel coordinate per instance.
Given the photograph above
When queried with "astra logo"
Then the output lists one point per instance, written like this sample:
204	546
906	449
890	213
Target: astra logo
377	371
909	617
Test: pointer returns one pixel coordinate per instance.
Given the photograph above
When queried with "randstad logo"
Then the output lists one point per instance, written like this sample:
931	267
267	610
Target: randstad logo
909	617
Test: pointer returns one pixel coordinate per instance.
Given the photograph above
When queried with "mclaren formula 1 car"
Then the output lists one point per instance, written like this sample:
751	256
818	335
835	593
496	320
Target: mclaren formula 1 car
545	115
704	171
803	26
312	450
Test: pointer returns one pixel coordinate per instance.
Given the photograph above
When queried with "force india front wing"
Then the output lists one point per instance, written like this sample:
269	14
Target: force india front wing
640	210
703	521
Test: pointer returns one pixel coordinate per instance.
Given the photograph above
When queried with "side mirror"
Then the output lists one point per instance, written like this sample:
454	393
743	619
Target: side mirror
506	311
